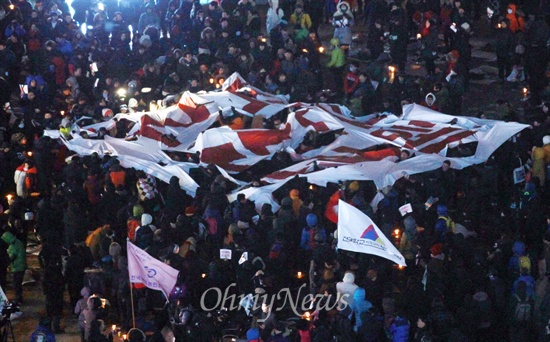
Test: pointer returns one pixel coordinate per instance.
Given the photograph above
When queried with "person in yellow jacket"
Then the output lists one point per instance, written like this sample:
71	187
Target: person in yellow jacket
336	67
300	17
539	169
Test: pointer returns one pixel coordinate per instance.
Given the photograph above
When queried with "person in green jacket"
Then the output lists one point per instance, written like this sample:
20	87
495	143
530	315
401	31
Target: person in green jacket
336	67
16	252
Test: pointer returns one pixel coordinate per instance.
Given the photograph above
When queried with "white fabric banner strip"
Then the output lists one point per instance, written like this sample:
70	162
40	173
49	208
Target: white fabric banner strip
358	233
144	269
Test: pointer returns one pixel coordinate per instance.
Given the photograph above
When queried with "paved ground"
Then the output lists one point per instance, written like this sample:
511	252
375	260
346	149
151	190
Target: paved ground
34	306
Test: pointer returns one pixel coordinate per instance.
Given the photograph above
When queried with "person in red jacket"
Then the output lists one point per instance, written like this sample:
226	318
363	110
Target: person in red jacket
351	81
25	179
517	22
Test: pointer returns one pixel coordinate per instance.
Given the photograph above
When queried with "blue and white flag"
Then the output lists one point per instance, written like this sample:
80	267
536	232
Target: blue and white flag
358	233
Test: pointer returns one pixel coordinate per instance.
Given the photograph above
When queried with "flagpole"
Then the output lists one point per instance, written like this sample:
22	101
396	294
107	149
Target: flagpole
132	299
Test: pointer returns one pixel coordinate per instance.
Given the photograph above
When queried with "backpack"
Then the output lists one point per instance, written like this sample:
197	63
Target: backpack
522	312
95	280
212	226
524	262
275	251
203	231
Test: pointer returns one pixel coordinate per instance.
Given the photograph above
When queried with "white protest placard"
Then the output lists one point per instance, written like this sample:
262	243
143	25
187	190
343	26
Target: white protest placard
225	254
244	258
405	209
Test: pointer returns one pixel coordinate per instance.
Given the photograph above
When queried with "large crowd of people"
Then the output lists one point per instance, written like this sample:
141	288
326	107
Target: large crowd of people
476	259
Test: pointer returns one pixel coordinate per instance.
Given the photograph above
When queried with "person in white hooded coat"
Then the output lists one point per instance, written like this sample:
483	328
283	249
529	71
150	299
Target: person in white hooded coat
346	288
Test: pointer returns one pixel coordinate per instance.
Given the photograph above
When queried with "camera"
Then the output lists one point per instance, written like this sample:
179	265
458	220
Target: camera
10	308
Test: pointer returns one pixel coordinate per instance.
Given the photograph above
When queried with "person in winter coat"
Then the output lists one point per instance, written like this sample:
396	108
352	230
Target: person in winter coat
300	17
75	224
274	17
336	66
346	289
400	328
26	179
145	232
520	314
342	21
53	284
176	199
504	49
147	191
398	42
81	306
44	332
360	305
518	260
90	314
4	263
148	18
18	264
406	244
517	22
430	42
307	242
444	223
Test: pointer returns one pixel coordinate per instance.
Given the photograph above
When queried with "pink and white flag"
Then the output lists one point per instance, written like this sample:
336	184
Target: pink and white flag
144	269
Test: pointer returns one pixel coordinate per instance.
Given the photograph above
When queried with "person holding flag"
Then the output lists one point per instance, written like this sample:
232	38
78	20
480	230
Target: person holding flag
146	270
358	233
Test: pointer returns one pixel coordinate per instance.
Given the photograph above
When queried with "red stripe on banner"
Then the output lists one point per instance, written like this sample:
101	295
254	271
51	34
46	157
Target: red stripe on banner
222	155
440	145
319	126
257	141
253	106
370	155
198	114
421	123
147	130
285	174
237	84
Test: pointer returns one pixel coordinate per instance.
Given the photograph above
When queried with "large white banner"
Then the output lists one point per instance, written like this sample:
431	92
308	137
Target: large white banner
358	233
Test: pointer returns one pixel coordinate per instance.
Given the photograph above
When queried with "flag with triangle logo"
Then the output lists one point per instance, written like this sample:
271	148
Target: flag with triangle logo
358	233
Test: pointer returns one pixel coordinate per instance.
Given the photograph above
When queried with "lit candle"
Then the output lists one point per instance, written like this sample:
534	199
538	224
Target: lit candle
264	40
391	68
9	197
114	327
322	49
401	267
524	91
204	275
396	232
29	153
299	275
311	187
124	337
418	36
499	25
211	81
307	315
62	112
12	7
